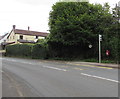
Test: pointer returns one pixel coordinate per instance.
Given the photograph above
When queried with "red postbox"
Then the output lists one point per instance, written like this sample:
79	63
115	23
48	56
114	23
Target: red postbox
107	52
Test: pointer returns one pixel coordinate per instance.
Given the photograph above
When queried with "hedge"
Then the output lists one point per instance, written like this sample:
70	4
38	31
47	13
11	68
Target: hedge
35	51
39	52
22	50
43	51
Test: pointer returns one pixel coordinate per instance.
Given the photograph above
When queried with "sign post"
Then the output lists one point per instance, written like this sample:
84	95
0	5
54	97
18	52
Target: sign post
90	46
107	52
100	39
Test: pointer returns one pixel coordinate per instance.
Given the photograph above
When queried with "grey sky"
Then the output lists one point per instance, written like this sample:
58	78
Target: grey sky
33	13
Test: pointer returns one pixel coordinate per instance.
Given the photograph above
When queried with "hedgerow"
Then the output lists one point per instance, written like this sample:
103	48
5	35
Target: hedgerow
36	51
19	50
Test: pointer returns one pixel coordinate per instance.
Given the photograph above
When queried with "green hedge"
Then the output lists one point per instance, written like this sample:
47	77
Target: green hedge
39	52
35	51
57	51
22	50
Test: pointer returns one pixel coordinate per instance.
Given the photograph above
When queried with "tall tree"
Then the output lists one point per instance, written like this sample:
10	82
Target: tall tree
77	24
115	29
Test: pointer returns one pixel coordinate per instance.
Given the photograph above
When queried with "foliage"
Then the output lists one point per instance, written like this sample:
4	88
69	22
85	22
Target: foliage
19	50
27	50
75	25
39	51
95	60
111	40
43	42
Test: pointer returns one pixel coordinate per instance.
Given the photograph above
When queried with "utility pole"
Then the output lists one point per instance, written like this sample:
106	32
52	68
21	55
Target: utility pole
100	39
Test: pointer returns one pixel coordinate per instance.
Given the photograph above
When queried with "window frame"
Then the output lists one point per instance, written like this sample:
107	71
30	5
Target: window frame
21	37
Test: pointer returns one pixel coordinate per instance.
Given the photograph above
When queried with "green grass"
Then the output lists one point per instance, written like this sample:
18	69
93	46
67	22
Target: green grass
95	60
108	61
90	60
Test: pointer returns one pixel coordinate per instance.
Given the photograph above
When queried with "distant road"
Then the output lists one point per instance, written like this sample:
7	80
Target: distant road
38	78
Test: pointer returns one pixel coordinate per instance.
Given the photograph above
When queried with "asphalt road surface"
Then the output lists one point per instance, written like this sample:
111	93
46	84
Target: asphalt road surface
38	78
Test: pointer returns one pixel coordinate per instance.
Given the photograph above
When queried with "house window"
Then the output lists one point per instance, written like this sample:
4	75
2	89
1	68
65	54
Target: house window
36	37
21	36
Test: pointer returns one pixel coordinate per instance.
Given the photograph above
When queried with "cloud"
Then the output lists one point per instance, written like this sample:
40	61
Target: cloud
23	13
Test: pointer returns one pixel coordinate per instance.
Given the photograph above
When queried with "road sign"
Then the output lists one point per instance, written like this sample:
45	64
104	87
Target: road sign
107	52
90	46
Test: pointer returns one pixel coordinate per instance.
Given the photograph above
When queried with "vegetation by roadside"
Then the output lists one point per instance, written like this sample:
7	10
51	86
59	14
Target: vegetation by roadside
73	27
96	60
20	50
37	51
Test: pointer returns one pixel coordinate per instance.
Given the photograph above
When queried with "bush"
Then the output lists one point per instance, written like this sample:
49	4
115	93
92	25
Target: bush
39	52
59	50
36	51
22	50
91	60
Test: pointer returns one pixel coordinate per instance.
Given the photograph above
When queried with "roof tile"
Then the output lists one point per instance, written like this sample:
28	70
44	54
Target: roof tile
32	33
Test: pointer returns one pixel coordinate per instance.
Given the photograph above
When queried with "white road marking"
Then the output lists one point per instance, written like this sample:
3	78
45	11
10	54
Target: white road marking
55	68
27	63
100	77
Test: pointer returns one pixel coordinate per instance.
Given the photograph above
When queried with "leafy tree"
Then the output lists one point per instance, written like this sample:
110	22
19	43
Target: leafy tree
76	25
115	36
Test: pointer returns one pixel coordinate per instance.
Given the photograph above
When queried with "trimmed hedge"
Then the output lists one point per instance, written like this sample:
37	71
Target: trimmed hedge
57	51
39	52
22	50
35	51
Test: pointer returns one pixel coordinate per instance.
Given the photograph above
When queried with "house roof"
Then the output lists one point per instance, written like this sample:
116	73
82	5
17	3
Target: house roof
32	33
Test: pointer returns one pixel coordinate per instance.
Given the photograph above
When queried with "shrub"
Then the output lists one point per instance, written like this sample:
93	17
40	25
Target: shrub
23	50
39	51
36	51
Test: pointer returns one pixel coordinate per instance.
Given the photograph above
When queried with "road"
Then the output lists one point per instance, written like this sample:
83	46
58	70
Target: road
39	78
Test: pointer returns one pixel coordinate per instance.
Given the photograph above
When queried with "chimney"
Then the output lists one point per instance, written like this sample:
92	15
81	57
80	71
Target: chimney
14	27
28	28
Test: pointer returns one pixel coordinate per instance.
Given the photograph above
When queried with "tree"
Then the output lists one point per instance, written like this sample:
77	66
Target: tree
111	37
77	24
116	13
115	38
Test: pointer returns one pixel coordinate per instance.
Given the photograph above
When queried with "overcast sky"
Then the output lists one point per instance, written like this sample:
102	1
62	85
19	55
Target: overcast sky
32	13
